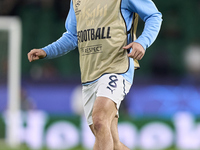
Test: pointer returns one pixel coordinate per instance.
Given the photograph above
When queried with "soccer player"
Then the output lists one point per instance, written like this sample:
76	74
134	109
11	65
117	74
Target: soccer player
105	33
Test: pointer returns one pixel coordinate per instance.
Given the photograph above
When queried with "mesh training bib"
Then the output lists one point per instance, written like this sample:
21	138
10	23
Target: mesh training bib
102	33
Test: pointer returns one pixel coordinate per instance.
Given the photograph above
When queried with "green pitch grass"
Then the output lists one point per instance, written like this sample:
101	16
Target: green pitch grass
3	146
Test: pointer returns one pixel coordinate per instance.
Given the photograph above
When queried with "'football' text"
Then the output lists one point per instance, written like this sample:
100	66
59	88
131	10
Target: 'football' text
92	34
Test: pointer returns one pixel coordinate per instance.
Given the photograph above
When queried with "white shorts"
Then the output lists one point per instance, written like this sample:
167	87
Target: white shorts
112	86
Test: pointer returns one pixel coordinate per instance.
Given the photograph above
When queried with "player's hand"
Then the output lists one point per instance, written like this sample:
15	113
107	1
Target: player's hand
137	50
36	54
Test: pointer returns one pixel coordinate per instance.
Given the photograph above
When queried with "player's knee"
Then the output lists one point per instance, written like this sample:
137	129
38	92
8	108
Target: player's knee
99	124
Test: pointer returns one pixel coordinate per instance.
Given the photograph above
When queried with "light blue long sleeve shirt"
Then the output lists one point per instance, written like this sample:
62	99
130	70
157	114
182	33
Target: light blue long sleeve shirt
147	11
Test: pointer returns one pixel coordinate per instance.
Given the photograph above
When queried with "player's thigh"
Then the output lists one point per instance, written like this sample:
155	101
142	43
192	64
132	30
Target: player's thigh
104	110
109	91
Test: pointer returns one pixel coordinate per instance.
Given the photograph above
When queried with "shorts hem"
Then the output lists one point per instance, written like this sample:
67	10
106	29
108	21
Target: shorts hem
91	123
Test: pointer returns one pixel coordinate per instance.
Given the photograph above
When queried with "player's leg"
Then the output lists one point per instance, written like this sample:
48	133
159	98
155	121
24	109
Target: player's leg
104	111
100	109
114	130
92	129
115	136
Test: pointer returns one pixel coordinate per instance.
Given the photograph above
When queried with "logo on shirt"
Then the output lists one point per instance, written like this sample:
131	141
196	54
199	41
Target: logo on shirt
93	49
91	15
77	11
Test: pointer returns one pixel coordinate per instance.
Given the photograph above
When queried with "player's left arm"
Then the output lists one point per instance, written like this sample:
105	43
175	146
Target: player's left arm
149	13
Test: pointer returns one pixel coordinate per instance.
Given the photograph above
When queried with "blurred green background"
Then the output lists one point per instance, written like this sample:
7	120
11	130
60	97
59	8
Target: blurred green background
44	22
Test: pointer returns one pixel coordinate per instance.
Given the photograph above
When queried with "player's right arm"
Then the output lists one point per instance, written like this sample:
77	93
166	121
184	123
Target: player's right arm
63	45
36	54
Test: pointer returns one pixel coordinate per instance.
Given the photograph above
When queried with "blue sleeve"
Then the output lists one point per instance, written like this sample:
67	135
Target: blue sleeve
148	12
68	41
